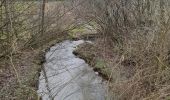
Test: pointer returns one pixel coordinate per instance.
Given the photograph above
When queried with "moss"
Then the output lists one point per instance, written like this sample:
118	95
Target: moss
76	31
102	68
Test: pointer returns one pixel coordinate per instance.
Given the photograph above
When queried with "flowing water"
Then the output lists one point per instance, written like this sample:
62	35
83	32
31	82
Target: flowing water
67	77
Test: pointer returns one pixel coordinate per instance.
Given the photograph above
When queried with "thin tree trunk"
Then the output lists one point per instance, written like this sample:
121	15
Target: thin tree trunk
42	19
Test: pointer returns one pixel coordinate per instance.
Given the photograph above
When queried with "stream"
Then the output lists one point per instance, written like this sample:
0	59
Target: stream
67	77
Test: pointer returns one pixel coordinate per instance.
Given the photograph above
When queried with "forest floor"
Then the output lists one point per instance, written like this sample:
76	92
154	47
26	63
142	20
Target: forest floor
18	79
19	75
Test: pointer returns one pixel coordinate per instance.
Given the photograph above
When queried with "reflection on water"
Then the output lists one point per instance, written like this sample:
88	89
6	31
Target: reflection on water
66	77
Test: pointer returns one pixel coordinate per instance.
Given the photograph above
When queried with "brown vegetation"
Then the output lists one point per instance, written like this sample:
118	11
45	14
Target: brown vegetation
26	30
132	50
136	33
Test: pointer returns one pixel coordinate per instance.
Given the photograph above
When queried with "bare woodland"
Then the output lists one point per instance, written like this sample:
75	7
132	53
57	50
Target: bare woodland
132	36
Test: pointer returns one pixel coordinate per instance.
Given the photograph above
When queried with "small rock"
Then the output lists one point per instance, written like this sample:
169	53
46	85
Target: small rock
96	73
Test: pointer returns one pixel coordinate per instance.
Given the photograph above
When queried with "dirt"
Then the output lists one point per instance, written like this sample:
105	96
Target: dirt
19	78
22	83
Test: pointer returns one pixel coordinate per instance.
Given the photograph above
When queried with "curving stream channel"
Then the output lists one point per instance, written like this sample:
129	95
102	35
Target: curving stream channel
67	77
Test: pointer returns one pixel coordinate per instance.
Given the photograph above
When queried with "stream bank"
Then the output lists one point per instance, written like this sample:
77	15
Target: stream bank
66	77
92	55
27	63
